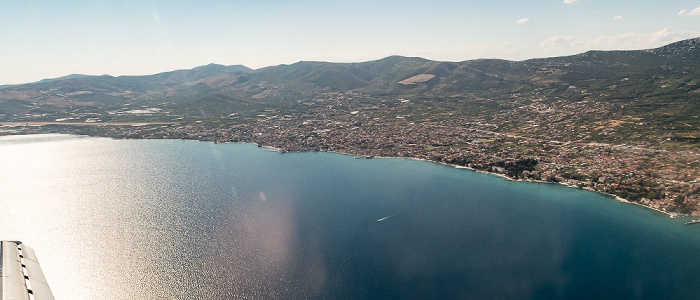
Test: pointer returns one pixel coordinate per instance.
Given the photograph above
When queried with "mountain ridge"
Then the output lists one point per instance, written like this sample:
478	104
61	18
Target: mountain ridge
592	71
382	65
625	123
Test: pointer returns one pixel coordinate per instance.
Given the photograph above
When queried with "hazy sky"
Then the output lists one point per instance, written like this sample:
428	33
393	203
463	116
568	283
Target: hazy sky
46	39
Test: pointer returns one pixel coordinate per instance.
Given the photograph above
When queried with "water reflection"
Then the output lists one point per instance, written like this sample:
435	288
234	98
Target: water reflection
175	219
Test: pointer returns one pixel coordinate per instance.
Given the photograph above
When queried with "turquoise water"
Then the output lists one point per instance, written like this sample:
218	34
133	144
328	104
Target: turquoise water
154	219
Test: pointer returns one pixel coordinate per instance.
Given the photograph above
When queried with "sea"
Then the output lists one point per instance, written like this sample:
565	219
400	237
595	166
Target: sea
175	219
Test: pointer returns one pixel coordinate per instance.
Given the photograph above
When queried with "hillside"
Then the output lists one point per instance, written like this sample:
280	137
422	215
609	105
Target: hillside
662	80
625	123
659	86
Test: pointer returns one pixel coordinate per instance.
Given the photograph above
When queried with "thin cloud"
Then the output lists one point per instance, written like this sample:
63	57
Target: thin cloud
571	1
508	47
630	40
559	42
523	20
561	45
617	17
694	12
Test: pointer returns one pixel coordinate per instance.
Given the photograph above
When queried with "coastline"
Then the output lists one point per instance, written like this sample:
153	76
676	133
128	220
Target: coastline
503	176
671	215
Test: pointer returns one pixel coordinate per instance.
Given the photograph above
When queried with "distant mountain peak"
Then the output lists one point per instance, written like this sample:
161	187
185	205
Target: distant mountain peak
218	67
71	76
683	46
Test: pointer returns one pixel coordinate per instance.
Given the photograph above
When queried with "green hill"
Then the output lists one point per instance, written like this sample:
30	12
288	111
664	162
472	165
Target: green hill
659	86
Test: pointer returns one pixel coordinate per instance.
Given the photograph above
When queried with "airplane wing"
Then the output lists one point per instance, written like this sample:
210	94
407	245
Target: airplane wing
22	277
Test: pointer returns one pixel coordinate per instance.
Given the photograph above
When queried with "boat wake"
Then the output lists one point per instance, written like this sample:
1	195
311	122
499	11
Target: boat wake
382	219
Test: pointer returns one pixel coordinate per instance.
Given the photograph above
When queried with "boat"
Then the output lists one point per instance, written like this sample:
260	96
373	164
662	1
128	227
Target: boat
692	222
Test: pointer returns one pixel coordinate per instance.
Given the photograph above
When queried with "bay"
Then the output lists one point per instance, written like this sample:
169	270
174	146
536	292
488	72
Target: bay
171	219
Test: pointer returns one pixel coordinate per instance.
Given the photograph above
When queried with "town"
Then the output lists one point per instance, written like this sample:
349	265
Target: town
645	173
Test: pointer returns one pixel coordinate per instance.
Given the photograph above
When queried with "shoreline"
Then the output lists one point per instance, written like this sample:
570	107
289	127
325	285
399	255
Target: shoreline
671	215
503	176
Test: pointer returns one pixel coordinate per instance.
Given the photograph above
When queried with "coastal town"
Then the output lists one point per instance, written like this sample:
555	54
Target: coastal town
622	123
647	173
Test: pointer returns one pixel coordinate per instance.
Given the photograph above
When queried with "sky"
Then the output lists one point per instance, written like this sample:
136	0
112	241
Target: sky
46	38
